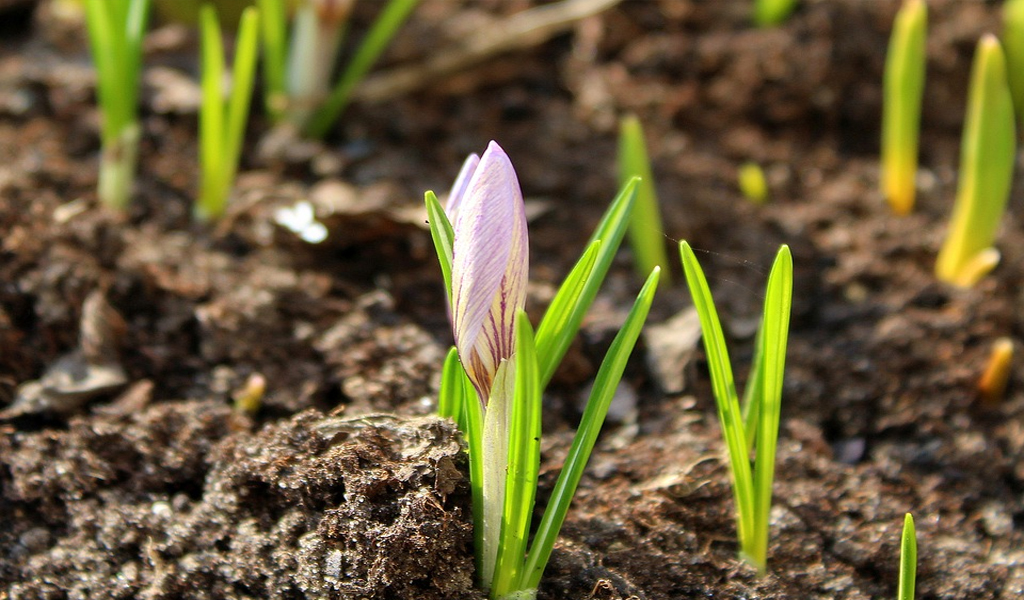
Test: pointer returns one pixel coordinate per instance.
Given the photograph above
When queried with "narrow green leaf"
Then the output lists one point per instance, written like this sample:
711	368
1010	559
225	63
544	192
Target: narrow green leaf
211	113
908	560
724	388
556	332
987	155
523	462
274	29
772	350
377	39
903	88
1013	44
242	80
609	232
752	393
608	377
473	428
449	398
768	13
443	234
646	234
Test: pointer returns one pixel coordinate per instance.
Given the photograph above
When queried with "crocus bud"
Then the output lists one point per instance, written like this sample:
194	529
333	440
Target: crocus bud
490	260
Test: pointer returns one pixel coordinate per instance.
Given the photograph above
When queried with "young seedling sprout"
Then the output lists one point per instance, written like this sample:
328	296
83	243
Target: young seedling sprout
752	183
908	560
222	121
768	13
116	28
494	376
987	154
298	73
755	424
903	87
1013	44
645	230
992	385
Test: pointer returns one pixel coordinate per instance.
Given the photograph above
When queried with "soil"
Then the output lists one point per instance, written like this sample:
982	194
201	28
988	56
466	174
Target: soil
144	482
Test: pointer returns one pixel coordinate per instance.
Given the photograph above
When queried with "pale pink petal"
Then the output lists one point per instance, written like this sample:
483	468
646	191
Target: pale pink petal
458	190
490	261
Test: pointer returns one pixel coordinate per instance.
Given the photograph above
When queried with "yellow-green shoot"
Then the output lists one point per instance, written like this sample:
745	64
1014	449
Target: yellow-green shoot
645	230
493	378
987	154
903	87
1013	44
299	69
222	120
752	183
769	13
116	28
754	426
908	560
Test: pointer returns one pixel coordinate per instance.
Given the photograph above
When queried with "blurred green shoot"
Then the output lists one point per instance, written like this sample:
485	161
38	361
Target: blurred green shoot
299	68
901	107
908	560
645	231
116	28
754	427
768	13
222	120
987	155
752	183
1013	44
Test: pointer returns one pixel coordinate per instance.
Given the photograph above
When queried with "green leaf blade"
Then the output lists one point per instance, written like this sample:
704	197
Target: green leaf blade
908	560
646	234
608	377
443	235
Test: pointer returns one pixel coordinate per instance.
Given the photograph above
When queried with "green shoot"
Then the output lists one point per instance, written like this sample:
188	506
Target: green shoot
752	488
901	106
116	28
274	24
768	13
752	183
222	122
987	154
645	229
1013	44
908	560
377	39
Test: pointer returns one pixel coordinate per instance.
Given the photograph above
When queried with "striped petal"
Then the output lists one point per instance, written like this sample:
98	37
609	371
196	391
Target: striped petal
458	191
490	260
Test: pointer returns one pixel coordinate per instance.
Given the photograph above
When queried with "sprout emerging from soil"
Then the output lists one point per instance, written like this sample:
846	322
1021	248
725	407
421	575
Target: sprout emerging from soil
646	235
1013	44
222	121
908	560
298	71
768	13
116	28
903	87
494	376
752	183
987	154
755	425
992	385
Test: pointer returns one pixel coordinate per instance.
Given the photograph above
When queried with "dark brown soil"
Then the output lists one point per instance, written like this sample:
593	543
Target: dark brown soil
341	486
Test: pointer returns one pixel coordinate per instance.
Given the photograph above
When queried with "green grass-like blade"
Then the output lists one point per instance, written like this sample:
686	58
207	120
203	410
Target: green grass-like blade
242	81
903	87
908	560
556	332
449	398
646	234
473	428
212	112
772	350
987	155
107	45
275	49
724	388
443	235
768	13
1013	45
608	377
378	38
523	462
609	231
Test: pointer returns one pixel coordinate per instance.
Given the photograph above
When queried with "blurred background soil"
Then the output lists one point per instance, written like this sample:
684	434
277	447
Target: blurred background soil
340	486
